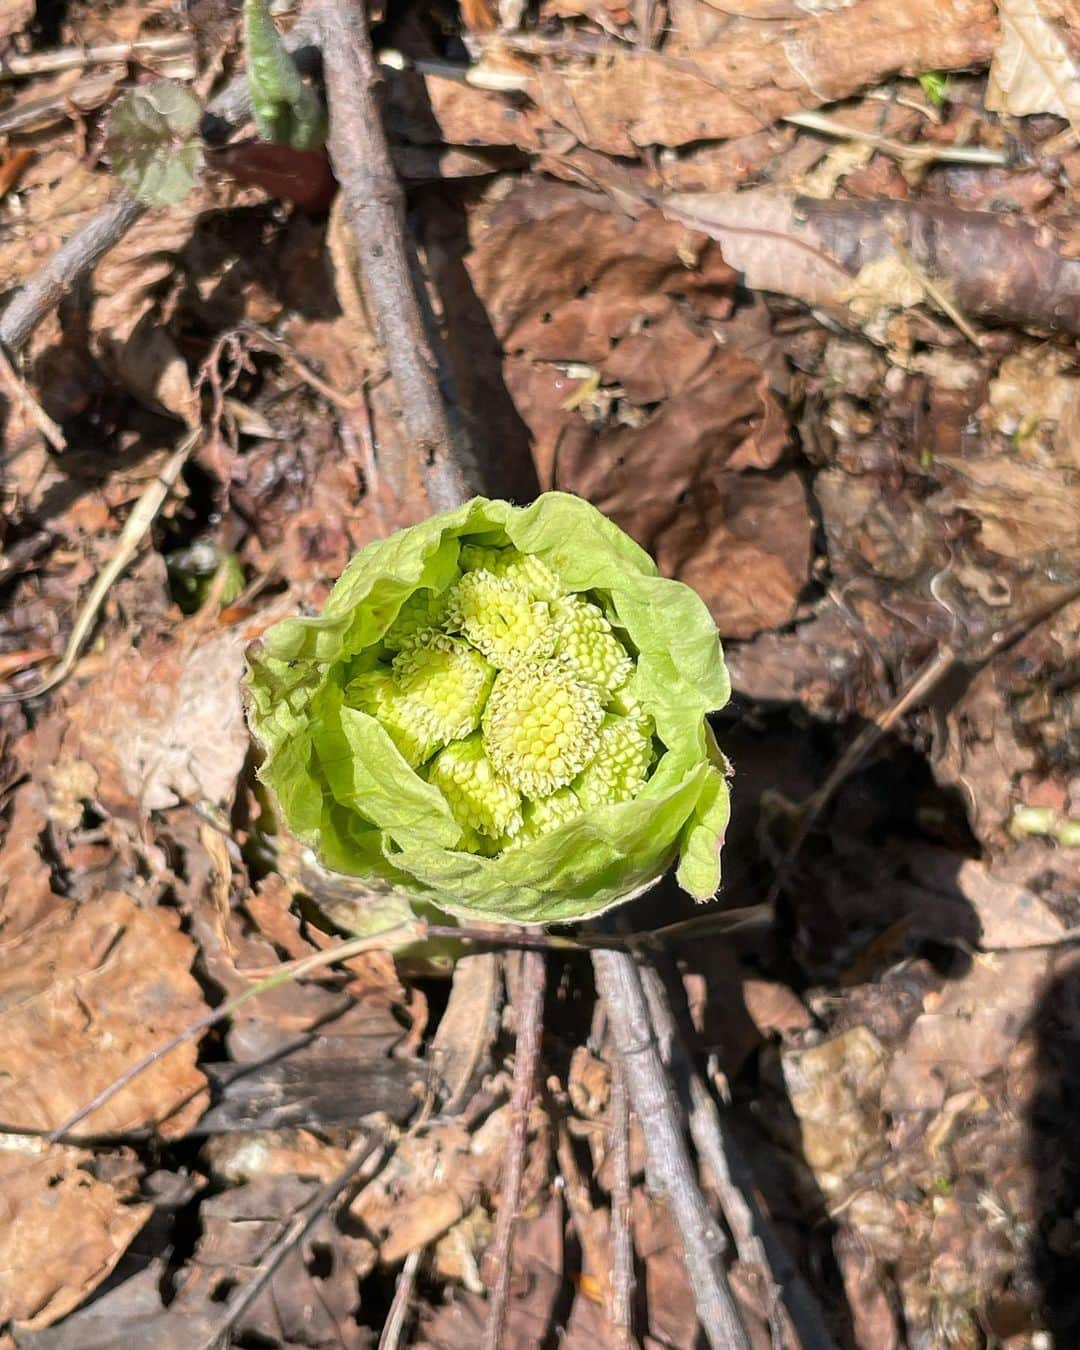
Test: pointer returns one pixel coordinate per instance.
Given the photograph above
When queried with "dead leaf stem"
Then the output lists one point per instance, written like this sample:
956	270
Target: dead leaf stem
402	1303
144	49
920	152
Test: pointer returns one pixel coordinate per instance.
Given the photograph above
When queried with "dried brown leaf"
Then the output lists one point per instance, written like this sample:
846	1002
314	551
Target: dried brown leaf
17	14
757	72
1033	70
305	1303
564	281
743	543
84	994
57	194
25	881
966	1033
1025	510
128	331
867	525
433	110
774	1007
1035	400
669	1295
164	723
536	1282
873	1320
64	1230
1009	914
764	237
990	266
660	413
834	1093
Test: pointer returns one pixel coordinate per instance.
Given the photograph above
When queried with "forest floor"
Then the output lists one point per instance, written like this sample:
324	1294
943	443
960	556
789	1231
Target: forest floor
791	291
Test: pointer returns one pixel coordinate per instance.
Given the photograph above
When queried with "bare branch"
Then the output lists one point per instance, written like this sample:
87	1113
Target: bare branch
755	1241
530	1023
703	1242
622	1244
374	208
71	261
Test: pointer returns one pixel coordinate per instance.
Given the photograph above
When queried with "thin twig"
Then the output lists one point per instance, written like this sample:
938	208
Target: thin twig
138	522
401	1304
343	402
508	80
929	675
622	1238
502	937
413	931
504	81
530	1021
71	261
922	151
297	1229
926	678
16	387
103	54
756	1242
374	208
620	987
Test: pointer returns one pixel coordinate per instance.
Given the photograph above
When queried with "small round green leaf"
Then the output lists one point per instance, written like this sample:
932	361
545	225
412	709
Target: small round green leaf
153	143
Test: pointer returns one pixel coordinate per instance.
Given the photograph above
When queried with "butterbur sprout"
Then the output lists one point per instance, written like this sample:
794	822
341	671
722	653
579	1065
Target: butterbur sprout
501	712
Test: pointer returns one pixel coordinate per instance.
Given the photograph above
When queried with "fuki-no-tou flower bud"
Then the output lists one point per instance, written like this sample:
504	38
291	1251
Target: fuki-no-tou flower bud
423	613
540	726
501	712
500	619
477	797
525	570
378	694
584	640
446	685
545	815
618	770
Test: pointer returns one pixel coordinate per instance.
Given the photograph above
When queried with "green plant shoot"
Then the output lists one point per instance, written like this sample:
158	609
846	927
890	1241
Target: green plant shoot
286	110
500	712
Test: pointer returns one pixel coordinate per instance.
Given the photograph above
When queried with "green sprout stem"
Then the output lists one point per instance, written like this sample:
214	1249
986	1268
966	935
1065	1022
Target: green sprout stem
285	109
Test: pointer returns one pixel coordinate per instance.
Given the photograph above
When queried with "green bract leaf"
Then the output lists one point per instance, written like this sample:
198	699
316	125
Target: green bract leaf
423	733
153	143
